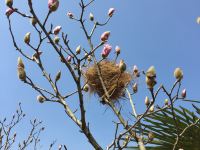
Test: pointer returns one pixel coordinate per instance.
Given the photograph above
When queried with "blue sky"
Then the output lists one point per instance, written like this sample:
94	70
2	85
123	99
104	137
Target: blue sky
163	33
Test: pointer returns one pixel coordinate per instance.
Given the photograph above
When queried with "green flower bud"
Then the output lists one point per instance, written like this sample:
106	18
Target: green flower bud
122	66
56	40
86	88
58	76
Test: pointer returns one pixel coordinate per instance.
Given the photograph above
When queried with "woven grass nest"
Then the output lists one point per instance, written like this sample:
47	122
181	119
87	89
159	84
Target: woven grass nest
115	81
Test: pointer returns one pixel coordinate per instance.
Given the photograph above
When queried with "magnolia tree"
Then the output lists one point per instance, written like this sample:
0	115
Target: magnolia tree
163	127
9	136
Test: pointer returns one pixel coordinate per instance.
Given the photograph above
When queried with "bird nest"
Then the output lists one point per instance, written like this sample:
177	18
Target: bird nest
114	80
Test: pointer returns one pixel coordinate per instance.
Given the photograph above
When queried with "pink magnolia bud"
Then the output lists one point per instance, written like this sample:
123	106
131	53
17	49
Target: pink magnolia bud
183	94
106	50
117	50
111	12
105	36
56	30
53	5
69	58
9	11
70	15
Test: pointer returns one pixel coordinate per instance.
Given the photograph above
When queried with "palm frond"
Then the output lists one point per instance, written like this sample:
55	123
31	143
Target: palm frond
163	127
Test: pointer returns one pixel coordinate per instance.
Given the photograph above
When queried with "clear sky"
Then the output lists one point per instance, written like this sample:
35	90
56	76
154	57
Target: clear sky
163	33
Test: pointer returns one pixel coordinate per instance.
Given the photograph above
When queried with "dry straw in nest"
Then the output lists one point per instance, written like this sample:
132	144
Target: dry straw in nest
114	80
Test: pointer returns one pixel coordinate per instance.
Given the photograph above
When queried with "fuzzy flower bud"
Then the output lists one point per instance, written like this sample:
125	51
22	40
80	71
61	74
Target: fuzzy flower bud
151	72
89	58
135	88
20	63
150	77
86	88
9	3
105	36
20	69
53	5
9	11
184	93
147	101
56	30
27	38
117	50
78	49
111	12
151	82
36	55
70	15
178	73
40	99
150	136
198	20
91	17
58	76
136	72
56	40
122	66
151	109
106	50
33	21
166	101
21	73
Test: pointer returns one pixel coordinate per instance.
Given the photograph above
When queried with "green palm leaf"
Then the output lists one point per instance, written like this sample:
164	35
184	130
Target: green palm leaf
162	125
